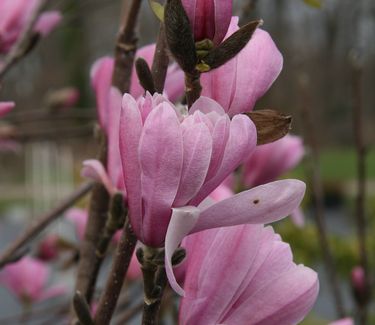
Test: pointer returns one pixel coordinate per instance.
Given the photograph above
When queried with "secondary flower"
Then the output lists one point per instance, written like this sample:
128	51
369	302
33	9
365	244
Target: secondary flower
27	280
14	15
239	83
48	248
244	275
5	108
269	161
209	19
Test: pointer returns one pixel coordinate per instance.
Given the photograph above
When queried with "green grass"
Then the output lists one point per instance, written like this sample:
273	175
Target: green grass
339	164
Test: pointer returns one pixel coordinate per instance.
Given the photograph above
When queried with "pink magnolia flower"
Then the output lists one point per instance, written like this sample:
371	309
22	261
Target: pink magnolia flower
14	14
27	280
270	161
244	275
209	19
239	83
344	321
171	163
5	108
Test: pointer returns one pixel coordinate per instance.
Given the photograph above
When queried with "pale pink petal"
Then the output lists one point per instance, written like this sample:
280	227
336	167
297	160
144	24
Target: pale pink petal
79	219
94	170
161	158
220	193
206	105
223	15
6	107
181	223
298	217
130	133
47	22
343	321
197	143
262	204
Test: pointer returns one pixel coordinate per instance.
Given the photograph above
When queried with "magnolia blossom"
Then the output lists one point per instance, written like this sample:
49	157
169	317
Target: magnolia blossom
172	162
27	280
48	248
209	19
239	83
244	275
14	14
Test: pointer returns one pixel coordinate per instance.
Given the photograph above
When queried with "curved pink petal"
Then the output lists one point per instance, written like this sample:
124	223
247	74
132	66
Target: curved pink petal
343	321
197	143
285	300
206	105
241	142
79	219
181	223
223	16
161	159
101	80
298	217
262	204
6	107
130	134
94	169
47	22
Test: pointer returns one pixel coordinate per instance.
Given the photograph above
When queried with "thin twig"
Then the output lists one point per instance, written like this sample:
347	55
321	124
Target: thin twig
22	45
193	87
126	46
122	258
42	222
360	217
317	188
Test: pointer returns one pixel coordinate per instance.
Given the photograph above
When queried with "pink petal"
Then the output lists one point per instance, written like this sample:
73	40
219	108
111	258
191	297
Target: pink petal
298	217
161	158
101	79
130	133
284	301
343	321
206	105
6	107
262	204
79	219
181	223
197	155
47	22
94	169
241	142
223	15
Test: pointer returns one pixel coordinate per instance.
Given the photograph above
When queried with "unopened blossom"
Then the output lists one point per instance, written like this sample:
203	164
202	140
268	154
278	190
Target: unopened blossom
172	162
5	108
48	248
28	280
343	321
244	275
209	19
15	14
240	82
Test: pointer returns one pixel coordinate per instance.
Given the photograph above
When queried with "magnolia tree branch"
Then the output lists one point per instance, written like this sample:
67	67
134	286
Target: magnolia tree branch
24	41
42	222
360	216
161	61
318	194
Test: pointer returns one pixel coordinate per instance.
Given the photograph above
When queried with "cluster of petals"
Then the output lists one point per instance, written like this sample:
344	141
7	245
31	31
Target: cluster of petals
209	19
28	280
15	14
240	82
244	275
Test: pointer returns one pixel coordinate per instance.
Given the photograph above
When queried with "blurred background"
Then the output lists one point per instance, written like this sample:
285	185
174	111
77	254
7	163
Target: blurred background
329	67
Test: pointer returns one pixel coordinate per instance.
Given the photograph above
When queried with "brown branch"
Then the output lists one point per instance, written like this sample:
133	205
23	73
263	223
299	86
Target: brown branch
24	41
122	258
126	46
360	217
89	262
42	222
318	195
193	87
